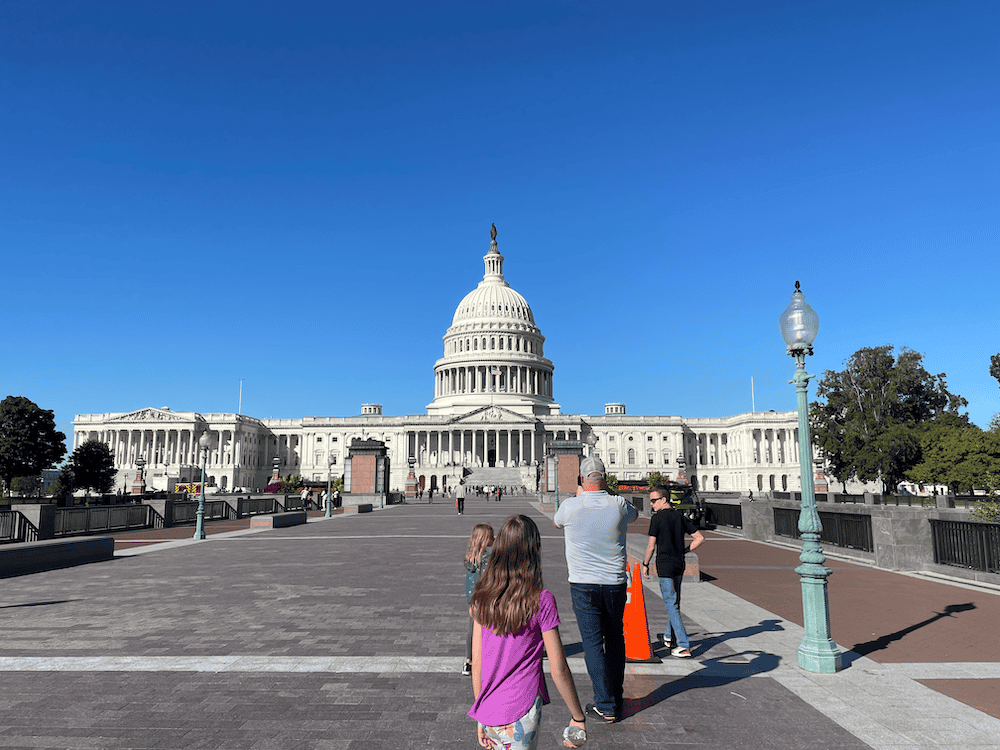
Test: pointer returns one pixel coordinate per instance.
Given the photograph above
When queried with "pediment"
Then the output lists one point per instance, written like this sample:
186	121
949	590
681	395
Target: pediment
149	415
492	414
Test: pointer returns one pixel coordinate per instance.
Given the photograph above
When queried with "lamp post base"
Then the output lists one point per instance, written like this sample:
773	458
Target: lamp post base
817	652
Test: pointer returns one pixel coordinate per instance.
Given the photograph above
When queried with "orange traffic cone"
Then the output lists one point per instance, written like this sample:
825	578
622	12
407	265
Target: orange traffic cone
637	646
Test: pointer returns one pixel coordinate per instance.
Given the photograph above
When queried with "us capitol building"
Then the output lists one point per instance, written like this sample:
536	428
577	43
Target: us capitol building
493	408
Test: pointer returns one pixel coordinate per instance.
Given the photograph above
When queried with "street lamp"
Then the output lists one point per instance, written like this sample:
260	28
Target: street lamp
799	325
591	442
329	497
199	529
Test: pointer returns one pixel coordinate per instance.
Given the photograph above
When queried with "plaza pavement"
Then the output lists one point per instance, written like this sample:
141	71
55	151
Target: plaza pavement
348	633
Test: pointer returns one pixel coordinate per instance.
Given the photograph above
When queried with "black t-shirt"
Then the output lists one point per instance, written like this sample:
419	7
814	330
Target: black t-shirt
669	527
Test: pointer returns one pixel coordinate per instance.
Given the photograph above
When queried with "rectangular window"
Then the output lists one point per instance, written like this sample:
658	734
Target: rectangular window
611	457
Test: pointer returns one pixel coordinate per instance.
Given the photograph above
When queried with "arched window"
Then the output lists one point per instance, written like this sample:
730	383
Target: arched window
784	483
760	482
501	342
715	483
493	343
649	458
631	455
772	482
475	343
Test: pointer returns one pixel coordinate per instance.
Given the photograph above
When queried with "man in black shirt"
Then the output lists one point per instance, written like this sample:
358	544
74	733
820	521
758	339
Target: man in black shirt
667	530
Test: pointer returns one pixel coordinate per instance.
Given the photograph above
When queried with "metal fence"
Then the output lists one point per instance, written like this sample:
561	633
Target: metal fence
254	506
967	544
102	518
725	515
214	510
14	527
847	530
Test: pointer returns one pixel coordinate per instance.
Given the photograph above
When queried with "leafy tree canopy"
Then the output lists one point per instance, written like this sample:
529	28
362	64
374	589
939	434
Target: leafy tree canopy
866	426
93	467
64	484
26	486
956	453
29	440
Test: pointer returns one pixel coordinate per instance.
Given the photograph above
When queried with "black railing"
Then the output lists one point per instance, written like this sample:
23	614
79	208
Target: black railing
847	530
254	506
215	510
967	544
89	519
724	515
14	527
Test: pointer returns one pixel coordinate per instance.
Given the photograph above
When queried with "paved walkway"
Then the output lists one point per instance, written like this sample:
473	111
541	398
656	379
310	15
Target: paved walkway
348	633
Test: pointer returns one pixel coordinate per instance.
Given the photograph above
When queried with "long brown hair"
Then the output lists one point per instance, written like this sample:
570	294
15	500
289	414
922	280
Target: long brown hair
506	594
480	538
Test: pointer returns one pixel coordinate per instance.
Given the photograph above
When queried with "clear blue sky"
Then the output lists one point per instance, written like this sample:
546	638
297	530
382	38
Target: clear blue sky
300	193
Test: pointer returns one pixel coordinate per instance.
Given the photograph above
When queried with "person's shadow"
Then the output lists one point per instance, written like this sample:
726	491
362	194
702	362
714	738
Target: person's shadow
714	673
765	626
883	641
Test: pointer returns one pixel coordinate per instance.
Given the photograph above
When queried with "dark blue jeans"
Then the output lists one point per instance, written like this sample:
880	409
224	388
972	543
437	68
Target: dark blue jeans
599	611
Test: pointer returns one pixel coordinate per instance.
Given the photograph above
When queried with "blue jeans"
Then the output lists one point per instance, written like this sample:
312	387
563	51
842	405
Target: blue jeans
599	611
670	587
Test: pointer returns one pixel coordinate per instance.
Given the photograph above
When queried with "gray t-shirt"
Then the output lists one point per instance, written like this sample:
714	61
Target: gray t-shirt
595	524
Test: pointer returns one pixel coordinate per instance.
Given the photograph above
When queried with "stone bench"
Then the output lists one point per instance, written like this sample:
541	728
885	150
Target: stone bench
279	520
21	558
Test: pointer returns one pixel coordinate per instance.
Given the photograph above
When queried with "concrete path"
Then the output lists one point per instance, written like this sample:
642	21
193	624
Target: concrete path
349	633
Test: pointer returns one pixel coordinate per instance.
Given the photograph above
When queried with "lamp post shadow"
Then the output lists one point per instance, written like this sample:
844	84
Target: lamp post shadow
883	641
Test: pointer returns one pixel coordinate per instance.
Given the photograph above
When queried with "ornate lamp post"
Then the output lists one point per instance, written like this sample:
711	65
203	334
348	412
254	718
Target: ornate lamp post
329	497
591	441
199	529
799	325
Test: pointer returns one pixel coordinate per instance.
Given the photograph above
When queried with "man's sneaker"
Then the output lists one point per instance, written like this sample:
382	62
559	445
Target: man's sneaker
467	669
593	712
680	652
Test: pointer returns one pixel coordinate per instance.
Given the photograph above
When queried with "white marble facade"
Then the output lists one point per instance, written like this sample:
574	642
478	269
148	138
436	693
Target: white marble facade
493	406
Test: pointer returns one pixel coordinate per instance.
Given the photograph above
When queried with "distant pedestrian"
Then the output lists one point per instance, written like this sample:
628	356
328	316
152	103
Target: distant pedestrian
305	498
514	620
476	556
460	498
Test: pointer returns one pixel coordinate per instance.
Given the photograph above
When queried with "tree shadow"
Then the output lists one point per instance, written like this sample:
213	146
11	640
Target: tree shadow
714	673
37	604
883	641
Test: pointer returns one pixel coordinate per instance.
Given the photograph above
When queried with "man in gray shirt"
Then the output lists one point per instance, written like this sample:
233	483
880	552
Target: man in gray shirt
595	524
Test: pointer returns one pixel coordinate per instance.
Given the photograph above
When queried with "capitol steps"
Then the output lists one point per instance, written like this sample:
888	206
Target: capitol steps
483	476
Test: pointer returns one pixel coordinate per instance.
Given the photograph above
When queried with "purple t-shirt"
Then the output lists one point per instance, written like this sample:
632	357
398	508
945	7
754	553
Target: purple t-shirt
512	668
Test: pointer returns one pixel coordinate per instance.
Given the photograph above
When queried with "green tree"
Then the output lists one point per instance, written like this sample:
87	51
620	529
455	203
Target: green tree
63	486
957	454
29	440
25	486
866	424
656	479
93	467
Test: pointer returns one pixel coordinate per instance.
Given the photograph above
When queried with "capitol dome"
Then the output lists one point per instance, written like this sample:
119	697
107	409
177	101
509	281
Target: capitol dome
493	351
492	301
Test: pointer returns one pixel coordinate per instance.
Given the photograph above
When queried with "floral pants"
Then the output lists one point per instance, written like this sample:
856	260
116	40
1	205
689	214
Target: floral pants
522	734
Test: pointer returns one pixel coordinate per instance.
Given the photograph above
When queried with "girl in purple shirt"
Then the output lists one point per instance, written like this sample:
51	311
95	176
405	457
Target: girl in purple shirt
514	617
